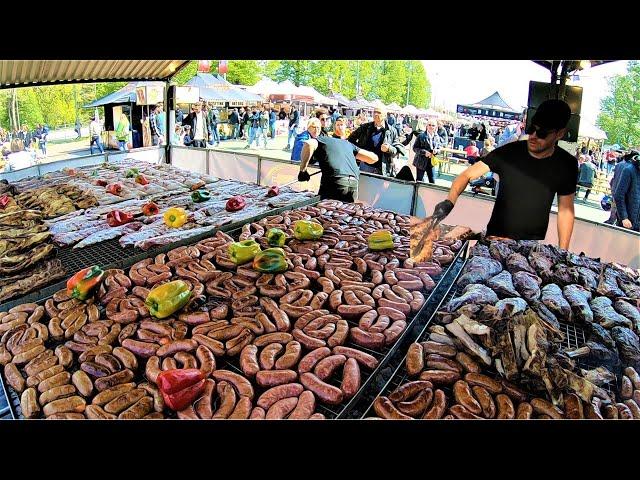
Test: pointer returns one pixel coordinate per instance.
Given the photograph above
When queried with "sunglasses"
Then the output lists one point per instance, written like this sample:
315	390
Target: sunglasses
541	133
323	119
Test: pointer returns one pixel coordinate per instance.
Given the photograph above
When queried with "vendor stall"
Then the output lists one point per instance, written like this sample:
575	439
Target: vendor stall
134	105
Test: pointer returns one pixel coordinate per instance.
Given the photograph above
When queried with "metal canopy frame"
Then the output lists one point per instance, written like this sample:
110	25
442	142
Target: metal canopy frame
34	73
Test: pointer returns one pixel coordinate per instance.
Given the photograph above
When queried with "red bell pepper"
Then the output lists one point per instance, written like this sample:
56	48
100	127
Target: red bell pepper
142	180
116	218
273	191
180	387
84	282
235	204
114	188
150	209
4	201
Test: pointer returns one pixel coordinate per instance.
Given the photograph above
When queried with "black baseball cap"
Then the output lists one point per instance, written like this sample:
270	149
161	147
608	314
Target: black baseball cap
552	115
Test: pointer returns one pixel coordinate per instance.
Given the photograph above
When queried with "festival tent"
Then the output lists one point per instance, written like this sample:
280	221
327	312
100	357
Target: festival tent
345	102
493	106
215	88
317	96
394	107
591	131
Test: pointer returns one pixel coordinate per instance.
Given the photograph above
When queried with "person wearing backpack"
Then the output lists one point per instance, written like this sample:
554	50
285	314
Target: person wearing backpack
301	138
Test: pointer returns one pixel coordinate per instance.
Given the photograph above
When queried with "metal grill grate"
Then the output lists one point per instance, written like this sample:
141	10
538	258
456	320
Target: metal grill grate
110	254
574	337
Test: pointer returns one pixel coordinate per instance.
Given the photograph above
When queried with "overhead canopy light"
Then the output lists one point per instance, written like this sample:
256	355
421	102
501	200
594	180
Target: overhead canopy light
585	64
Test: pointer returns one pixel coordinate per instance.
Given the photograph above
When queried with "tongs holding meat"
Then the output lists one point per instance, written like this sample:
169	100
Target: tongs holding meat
423	234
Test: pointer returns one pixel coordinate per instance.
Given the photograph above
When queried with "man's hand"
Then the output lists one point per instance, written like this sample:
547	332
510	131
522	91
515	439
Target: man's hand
384	147
626	223
442	209
303	176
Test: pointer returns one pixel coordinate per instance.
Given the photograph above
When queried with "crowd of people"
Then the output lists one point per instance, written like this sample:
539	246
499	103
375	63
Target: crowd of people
21	147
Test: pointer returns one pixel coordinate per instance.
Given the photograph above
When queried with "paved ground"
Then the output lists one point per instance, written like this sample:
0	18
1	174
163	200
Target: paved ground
589	210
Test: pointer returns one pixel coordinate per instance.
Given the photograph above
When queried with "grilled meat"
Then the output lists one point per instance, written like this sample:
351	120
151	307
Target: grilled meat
517	262
478	270
605	314
608	284
551	296
579	297
502	284
628	346
474	293
527	284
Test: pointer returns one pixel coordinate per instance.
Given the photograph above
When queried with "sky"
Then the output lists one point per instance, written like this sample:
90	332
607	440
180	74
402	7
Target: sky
468	81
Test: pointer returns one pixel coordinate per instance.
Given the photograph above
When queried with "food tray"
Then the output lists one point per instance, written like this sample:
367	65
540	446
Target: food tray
575	337
348	408
110	254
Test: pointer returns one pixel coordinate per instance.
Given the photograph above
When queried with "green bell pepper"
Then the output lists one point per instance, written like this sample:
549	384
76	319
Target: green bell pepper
307	230
131	173
200	196
271	260
276	237
166	299
380	240
244	251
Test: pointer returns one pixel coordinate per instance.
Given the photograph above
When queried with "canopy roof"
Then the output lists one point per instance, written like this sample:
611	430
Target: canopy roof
345	102
495	102
591	131
24	73
126	94
394	107
215	88
317	96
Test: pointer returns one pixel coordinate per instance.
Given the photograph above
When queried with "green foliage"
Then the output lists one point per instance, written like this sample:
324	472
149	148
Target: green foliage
184	75
620	111
388	80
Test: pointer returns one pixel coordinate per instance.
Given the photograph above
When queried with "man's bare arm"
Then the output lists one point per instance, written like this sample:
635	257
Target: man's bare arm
307	152
366	156
566	218
461	181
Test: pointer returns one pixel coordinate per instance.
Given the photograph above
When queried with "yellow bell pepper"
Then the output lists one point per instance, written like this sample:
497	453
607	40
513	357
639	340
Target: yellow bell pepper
380	240
166	299
175	217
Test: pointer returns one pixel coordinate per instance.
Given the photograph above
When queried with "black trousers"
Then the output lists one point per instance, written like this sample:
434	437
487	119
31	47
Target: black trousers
199	143
420	174
344	189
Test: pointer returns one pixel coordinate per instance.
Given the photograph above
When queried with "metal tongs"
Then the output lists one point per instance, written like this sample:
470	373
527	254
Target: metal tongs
421	244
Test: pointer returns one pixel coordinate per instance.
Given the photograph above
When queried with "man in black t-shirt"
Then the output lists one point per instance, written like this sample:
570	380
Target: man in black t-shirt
531	174
337	161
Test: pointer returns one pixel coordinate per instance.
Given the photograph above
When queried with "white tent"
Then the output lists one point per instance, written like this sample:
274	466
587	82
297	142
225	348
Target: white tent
264	87
591	131
410	110
317	96
377	103
394	107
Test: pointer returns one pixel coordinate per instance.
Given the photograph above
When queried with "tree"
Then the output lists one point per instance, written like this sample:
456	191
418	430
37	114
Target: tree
184	75
418	86
620	111
243	72
297	71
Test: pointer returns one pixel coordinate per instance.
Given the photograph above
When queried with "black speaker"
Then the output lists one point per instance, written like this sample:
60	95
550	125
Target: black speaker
573	125
539	92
